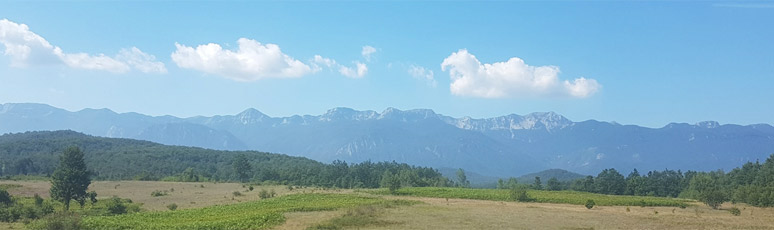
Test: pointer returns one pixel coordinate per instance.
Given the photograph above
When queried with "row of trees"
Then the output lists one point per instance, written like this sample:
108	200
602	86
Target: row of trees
753	183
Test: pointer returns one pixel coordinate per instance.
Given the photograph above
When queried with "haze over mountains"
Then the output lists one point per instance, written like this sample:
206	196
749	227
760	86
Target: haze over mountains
508	145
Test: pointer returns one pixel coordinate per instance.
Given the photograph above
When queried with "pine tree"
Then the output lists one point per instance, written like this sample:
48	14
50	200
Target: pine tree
242	167
71	178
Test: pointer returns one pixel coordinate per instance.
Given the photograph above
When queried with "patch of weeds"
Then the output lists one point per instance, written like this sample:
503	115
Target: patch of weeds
362	216
236	193
159	193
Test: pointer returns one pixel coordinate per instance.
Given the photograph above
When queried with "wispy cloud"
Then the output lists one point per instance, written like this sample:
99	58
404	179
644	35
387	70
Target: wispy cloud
422	73
27	48
512	78
367	52
358	71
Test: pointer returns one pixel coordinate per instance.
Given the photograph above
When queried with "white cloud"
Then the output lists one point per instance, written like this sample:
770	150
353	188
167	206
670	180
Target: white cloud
252	61
512	78
143	62
360	71
423	74
319	60
27	48
367	51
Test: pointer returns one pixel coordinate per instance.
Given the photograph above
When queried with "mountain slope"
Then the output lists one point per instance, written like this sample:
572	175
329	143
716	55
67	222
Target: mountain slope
501	146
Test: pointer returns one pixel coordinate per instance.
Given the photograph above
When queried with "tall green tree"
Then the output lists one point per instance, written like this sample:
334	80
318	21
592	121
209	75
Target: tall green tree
462	179
538	185
610	181
71	178
390	181
708	189
242	167
553	184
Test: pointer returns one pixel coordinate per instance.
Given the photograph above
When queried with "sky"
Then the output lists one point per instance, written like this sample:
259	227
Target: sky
642	63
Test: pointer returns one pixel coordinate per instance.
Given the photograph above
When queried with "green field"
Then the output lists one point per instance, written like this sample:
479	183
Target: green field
249	215
540	196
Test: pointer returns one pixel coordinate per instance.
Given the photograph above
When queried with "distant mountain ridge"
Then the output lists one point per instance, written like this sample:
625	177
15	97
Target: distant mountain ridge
504	146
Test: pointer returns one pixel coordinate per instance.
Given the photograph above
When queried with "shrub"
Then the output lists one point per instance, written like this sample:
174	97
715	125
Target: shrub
236	193
272	193
590	204
60	221
38	200
115	206
5	198
250	188
172	206
264	194
735	211
519	193
92	197
159	193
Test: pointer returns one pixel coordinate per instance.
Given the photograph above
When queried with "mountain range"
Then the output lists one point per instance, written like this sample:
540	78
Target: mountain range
509	145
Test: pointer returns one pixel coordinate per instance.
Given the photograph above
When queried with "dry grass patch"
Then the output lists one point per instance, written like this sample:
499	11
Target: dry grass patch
185	194
438	213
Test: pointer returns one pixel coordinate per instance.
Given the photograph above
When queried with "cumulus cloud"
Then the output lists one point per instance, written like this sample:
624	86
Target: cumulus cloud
250	62
26	48
359	71
419	72
512	78
367	51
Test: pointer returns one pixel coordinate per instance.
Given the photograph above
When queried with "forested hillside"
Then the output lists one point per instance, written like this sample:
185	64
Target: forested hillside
37	153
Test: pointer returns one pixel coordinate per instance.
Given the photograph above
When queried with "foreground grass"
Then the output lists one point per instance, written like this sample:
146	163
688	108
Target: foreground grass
540	196
250	215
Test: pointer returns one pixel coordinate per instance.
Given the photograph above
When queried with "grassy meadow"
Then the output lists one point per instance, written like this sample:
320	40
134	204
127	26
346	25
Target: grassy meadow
214	206
540	196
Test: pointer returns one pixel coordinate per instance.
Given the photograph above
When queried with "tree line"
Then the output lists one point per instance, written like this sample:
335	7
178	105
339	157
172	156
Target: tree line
752	183
37	153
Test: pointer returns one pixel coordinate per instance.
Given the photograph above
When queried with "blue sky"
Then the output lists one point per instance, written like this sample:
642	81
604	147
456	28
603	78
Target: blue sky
644	63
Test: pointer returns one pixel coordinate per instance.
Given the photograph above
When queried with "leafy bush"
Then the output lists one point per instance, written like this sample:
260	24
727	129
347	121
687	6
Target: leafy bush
38	200
115	206
92	197
590	204
172	206
519	193
236	193
59	221
735	211
251	188
5	198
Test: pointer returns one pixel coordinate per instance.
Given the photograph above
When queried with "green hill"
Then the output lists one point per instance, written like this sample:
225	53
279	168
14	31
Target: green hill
560	174
37	153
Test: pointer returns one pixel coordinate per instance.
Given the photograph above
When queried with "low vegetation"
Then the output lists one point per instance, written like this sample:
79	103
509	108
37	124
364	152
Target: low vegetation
362	216
540	196
249	215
